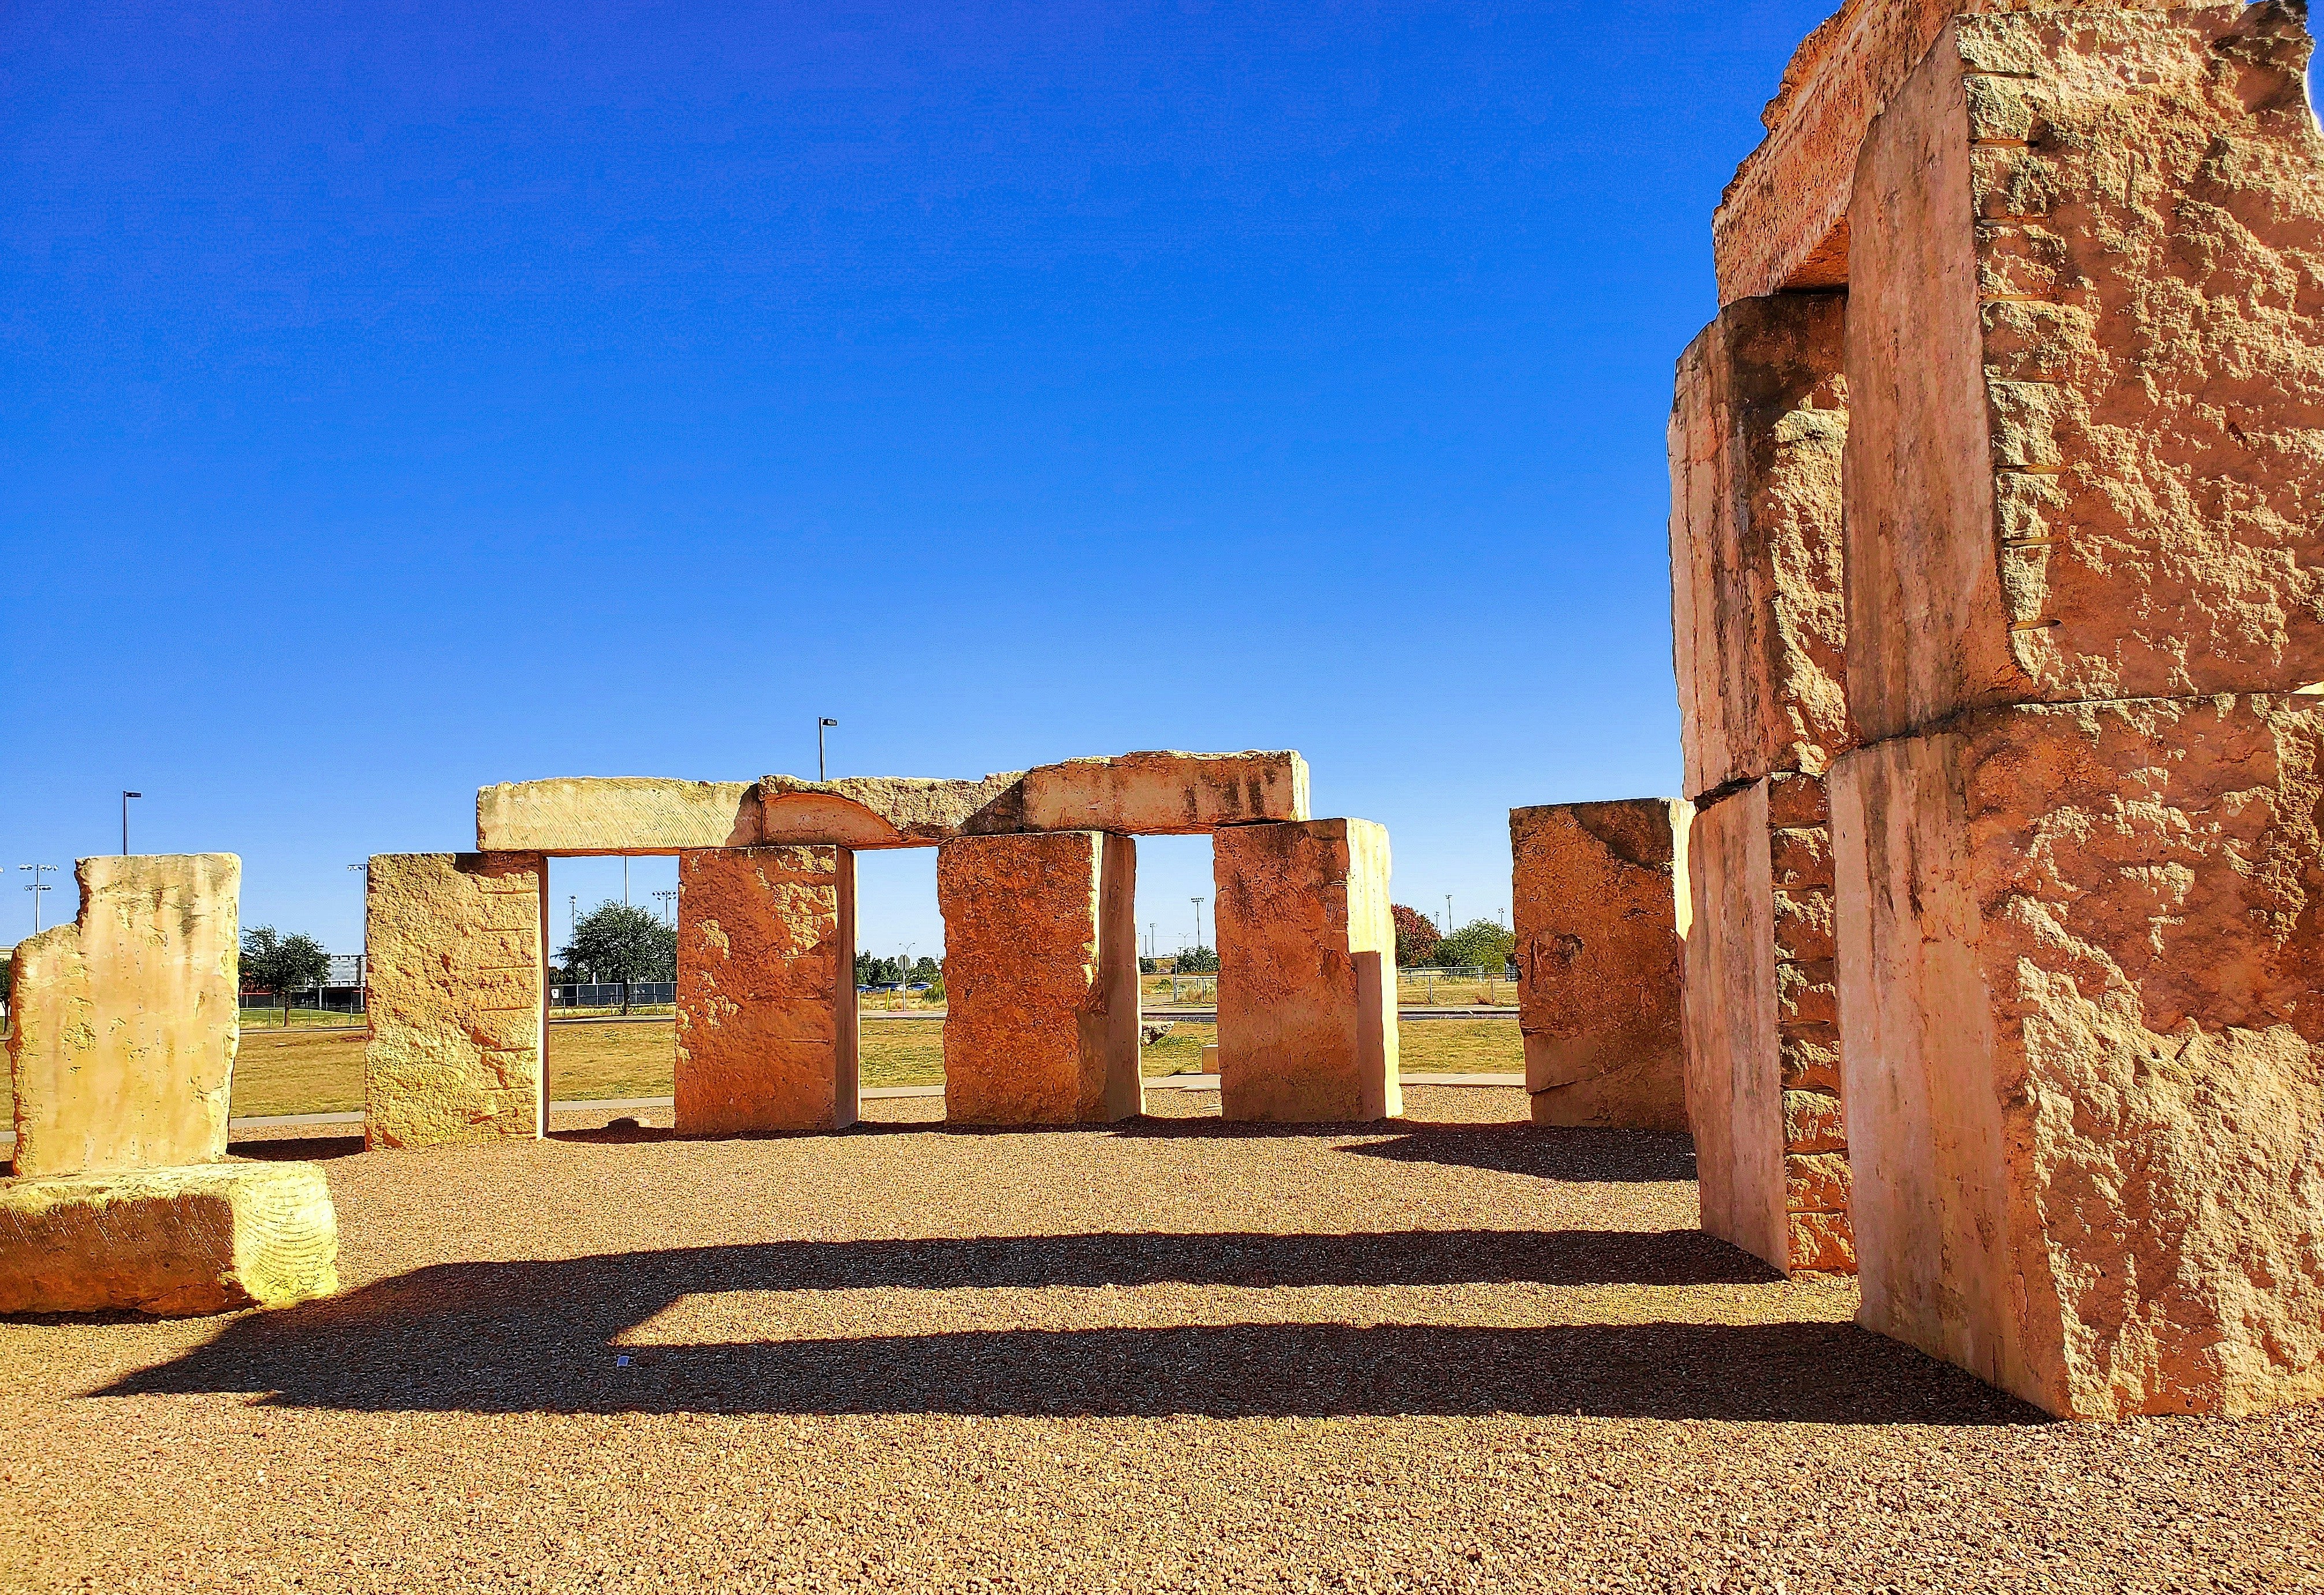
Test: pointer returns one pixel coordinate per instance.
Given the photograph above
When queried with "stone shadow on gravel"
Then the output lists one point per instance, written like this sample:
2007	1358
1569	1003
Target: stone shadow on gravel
544	1337
317	1149
1597	1156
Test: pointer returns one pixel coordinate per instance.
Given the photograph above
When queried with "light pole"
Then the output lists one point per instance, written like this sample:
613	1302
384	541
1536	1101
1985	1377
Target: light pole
670	898
822	721
625	883
362	959
1448	913
36	888
1198	921
125	796
572	915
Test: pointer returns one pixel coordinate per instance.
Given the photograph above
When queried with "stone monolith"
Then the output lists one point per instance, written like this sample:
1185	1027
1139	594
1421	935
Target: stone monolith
766	990
581	815
126	1020
2086	456
1599	896
1040	979
1759	631
174	1242
458	998
1306	973
2080	1035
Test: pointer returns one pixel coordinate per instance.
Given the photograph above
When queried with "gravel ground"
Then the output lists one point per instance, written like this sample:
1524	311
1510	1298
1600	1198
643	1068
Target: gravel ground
1459	1354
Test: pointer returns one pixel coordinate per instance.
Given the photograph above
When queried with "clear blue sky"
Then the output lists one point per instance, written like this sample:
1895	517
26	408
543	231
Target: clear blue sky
402	397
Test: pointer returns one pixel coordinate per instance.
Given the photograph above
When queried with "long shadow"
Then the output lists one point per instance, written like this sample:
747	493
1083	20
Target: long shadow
1579	1156
543	1337
298	1149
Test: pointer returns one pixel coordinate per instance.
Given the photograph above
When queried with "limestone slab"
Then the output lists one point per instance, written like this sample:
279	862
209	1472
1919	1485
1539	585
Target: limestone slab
1040	979
456	946
579	816
2079	1036
2086	437
1783	223
1306	973
174	1242
766	1013
1599	890
1758	628
126	1020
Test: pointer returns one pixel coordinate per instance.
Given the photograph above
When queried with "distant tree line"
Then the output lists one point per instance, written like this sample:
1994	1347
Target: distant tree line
1479	945
279	965
614	944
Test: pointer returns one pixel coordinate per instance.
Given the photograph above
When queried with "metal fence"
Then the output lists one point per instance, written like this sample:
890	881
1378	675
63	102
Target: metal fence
315	999
608	994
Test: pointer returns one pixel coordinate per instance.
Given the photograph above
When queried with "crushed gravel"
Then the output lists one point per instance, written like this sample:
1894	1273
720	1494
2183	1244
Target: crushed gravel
1173	1355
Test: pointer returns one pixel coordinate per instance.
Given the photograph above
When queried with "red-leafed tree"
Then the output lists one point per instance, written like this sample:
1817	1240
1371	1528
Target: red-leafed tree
1415	937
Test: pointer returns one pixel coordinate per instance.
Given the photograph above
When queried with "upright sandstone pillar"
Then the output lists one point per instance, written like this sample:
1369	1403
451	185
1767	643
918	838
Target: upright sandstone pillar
1757	440
766	990
2085	459
457	1000
1041	978
2081	1026
1601	898
1306	973
1762	1038
126	1020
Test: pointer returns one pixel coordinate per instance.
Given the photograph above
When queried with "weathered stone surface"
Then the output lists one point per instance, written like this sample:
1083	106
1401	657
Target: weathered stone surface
888	811
2087	448
1758	628
584	814
1166	794
1783	223
1041	978
1599	889
1306	973
175	1242
2080	1030
766	990
126	1020
1764	1080
458	998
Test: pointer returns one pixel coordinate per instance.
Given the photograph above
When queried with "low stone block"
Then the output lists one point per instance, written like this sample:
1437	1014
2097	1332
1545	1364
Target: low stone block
1041	992
587	814
1306	973
458	998
126	1020
2081	1042
175	1242
1758	628
1601	953
766	1015
2085	460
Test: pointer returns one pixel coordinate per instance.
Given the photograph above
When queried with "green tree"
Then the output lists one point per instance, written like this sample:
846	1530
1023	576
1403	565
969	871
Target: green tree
281	965
1416	936
1479	945
614	942
1198	961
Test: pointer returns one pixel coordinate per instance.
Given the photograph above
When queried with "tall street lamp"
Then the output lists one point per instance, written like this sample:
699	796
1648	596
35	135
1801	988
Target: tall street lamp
1198	921
125	796
36	888
822	723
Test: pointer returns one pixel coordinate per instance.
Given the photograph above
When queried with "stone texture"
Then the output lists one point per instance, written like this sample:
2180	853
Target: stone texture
766	1015
1758	632
1306	973
2081	1029
175	1242
126	1020
584	814
1598	890
2087	360
1040	979
1783	223
1763	1072
458	998
886	811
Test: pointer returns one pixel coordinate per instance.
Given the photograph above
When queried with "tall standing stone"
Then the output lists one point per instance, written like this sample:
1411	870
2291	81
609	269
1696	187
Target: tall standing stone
766	990
1601	895
126	1020
2089	1161
1306	973
1041	978
456	946
2087	458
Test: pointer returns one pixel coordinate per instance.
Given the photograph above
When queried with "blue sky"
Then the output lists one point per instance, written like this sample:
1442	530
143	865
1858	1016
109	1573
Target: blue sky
402	397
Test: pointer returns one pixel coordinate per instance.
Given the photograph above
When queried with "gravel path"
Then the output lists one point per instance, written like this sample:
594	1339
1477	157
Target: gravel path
1175	1356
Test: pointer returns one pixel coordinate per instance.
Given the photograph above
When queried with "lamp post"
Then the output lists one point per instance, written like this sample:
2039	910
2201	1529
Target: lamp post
125	796
1198	921
1448	913
670	900
822	723
36	888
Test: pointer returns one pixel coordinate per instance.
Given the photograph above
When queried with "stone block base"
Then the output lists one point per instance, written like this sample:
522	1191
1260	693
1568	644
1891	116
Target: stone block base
2080	1035
766	990
174	1242
1599	955
1040	979
1307	974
